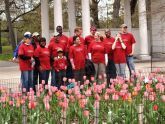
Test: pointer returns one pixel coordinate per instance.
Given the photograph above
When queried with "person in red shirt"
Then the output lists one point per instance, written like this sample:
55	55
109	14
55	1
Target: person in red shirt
36	73
90	38
119	57
63	39
77	32
25	55
110	68
53	47
129	39
42	57
60	66
97	52
77	56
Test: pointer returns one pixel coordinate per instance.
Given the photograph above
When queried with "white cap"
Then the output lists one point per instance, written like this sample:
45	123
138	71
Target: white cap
27	34
35	34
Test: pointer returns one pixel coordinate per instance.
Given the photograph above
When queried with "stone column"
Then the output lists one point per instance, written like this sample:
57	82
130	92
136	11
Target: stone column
71	16
127	14
144	47
85	17
45	19
57	14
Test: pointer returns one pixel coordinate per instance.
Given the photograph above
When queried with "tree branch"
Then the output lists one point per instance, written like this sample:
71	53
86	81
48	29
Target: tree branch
26	13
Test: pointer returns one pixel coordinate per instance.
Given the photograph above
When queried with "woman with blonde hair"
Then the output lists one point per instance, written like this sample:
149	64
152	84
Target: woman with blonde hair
97	53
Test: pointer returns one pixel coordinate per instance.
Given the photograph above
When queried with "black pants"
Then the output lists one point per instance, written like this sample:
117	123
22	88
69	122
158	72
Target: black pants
78	75
59	77
36	75
110	71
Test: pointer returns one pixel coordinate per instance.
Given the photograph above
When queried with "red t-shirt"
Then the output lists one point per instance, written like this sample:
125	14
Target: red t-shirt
119	54
53	47
60	63
129	39
78	54
98	51
44	57
108	46
26	50
63	40
89	39
70	41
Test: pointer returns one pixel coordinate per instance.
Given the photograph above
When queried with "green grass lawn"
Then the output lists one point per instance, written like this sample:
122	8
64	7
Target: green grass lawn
7	53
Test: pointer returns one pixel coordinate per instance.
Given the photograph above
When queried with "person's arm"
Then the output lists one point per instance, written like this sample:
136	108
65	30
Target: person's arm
133	48
15	54
106	59
122	43
24	57
114	43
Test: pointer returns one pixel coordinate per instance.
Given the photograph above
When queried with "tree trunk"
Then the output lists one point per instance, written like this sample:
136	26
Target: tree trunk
9	24
133	5
116	8
94	12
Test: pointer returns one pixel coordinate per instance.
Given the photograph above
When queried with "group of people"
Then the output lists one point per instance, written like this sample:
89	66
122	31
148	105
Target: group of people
70	57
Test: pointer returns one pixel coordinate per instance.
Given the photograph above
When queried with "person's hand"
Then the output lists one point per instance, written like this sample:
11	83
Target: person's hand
15	60
40	68
131	54
73	66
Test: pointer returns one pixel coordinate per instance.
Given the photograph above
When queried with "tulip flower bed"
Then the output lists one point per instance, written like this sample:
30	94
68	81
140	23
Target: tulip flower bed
142	99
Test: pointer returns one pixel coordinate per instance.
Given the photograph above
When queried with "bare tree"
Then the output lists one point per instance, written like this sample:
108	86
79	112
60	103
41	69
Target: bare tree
14	10
133	5
9	23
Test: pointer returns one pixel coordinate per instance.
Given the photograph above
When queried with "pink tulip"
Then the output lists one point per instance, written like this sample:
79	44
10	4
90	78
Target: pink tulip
54	89
163	98
115	97
146	94
106	96
96	104
31	105
97	97
43	82
84	77
88	93
70	91
92	78
124	86
24	90
71	98
151	97
46	87
64	88
64	79
69	80
86	82
86	113
47	106
11	103
81	86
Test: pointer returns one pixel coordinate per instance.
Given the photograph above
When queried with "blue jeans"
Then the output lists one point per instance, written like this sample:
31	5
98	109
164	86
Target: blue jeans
44	76
53	78
120	68
130	64
27	79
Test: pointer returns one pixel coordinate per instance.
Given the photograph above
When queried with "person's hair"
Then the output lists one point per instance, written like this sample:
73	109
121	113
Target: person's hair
42	39
77	29
74	38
